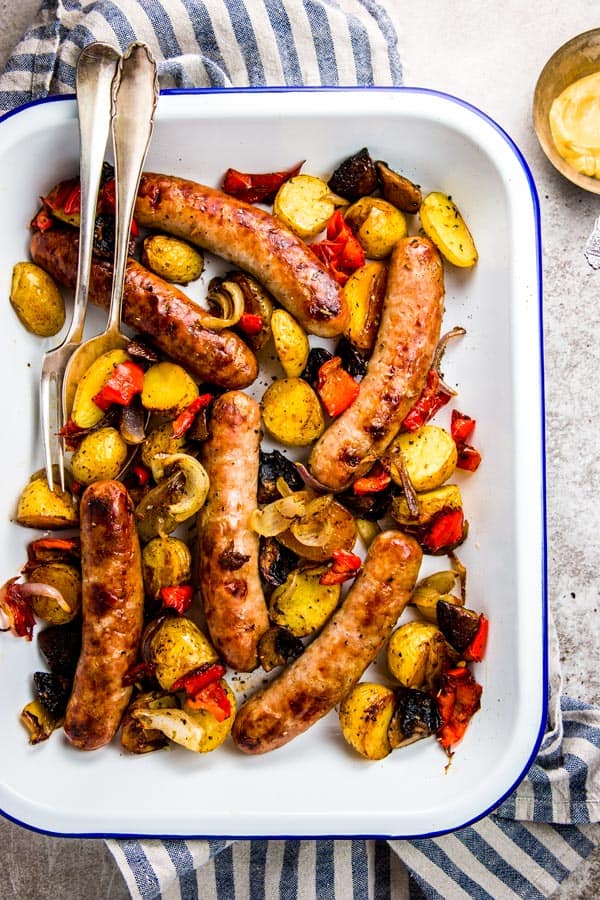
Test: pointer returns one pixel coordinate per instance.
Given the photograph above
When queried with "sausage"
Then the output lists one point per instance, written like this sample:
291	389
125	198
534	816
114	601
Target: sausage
157	310
329	667
113	606
228	574
397	370
250	238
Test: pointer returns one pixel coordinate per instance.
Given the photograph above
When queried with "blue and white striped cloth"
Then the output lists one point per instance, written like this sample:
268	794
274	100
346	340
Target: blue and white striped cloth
539	835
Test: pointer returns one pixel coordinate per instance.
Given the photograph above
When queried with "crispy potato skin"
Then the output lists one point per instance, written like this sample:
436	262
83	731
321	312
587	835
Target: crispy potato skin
113	604
250	238
157	310
329	667
406	342
232	595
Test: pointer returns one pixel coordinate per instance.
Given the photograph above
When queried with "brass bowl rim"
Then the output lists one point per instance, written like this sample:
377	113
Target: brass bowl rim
541	105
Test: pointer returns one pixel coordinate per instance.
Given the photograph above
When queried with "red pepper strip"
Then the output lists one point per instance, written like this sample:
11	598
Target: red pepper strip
468	458
257	187
71	433
432	398
336	387
213	698
41	221
458	700
461	427
17	608
377	481
445	530
185	419
126	381
138	671
250	323
70	546
476	649
57	198
341	252
73	202
142	473
177	597
345	565
193	682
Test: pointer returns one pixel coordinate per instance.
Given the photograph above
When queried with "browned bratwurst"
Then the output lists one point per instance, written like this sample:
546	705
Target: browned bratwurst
113	606
156	309
319	679
232	596
396	373
250	238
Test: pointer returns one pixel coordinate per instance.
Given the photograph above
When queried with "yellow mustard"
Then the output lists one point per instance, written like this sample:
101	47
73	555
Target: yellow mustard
575	125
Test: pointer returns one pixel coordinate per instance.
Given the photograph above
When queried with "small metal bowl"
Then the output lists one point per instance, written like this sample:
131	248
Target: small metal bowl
577	58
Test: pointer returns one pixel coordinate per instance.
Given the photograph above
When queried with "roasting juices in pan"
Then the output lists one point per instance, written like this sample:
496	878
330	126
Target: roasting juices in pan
239	579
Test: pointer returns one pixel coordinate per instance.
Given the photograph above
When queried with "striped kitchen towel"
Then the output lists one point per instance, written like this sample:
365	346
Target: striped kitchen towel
528	846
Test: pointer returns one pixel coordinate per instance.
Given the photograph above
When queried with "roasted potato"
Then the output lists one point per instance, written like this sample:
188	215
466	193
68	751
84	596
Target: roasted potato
433	588
355	177
444	225
430	504
135	738
325	526
291	343
39	507
194	729
365	716
377	225
305	204
397	189
365	292
430	456
301	604
292	413
416	654
100	456
85	413
175	645
64	578
36	299
168	389
161	440
166	561
172	259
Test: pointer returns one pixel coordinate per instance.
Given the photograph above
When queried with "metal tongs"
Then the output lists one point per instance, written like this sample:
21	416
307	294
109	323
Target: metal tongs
96	70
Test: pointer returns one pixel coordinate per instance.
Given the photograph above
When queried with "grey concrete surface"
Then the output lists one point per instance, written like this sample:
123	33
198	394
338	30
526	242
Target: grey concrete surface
490	54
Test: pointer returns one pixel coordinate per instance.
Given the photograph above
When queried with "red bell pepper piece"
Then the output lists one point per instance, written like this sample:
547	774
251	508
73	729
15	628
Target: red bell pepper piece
193	682
250	323
69	546
17	608
376	481
126	381
476	649
185	419
138	671
345	565
213	698
340	252
432	398
444	531
336	387
177	597
458	700
41	221
142	474
259	187
468	458
461	428
73	202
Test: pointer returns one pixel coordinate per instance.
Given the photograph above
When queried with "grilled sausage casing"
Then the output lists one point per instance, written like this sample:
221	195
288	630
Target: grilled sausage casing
397	370
113	605
327	670
250	238
232	595
156	309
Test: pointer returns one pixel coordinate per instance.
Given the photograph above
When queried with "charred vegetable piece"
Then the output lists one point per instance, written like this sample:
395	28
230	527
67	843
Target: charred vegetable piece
365	717
104	237
52	691
134	737
433	397
39	722
397	189
353	361
152	513
316	358
60	645
196	729
277	647
324	527
161	440
416	717
431	503
336	387
275	561
273	466
355	177
459	625
132	423
15	605
372	506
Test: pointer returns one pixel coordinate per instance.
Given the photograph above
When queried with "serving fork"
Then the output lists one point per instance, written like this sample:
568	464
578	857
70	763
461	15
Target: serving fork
96	70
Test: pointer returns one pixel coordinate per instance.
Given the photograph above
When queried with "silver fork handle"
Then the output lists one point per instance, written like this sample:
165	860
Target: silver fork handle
135	96
96	70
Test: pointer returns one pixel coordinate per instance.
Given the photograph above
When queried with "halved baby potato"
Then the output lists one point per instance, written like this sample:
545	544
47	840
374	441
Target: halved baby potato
377	225
430	504
85	413
39	507
416	655
365	716
291	343
301	604
444	225
365	292
305	204
168	389
430	456
291	412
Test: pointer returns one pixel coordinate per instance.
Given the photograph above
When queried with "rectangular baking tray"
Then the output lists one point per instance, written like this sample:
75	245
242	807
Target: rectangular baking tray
317	786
